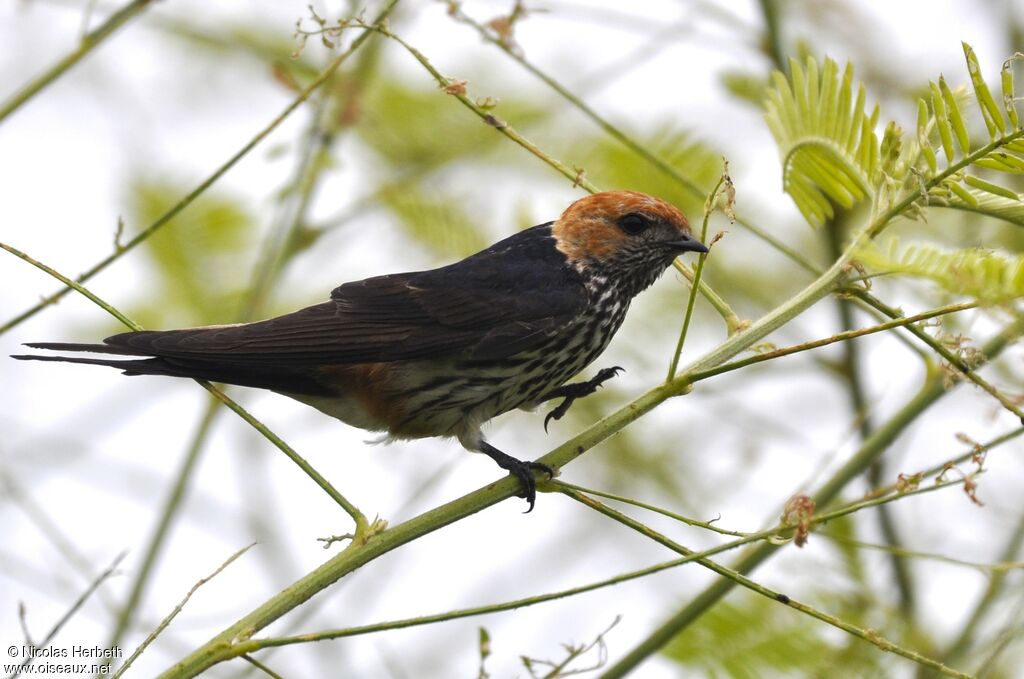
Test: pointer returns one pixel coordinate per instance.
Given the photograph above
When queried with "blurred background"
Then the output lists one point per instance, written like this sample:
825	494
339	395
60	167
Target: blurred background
381	171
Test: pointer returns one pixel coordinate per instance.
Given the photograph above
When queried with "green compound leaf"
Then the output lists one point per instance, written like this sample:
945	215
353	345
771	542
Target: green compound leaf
990	111
984	275
985	203
829	148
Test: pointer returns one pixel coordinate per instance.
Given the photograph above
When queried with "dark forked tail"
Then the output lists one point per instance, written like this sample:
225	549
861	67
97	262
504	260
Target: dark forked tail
276	378
139	366
74	346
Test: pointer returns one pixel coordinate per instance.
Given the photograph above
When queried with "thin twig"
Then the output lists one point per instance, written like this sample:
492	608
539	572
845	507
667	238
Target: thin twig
79	602
961	459
930	392
132	603
961	366
640	150
709	207
350	509
47	526
706	525
177	609
89	42
733	323
868	635
780	532
261	667
998	567
203	186
502	127
900	322
992	595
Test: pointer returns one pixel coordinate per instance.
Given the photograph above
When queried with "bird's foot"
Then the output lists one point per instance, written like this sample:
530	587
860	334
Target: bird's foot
571	392
519	469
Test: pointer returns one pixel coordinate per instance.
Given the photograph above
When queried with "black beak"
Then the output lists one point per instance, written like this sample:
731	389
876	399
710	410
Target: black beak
687	244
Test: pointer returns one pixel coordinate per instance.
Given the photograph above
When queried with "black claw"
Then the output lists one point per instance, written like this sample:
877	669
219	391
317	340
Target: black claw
571	392
557	412
519	469
605	374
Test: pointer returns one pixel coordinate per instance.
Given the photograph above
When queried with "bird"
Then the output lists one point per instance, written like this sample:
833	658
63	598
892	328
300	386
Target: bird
439	353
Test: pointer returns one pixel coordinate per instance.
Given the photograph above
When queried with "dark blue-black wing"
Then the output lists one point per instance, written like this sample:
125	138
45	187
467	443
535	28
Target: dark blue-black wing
509	298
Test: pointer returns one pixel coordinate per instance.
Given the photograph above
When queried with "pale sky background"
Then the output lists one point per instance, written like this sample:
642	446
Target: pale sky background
95	451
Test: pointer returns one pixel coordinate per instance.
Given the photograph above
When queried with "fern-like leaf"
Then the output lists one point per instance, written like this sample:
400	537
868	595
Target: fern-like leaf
985	203
960	187
831	154
984	275
437	221
827	139
986	103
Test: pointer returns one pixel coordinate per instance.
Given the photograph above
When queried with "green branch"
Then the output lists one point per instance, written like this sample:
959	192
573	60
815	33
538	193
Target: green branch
177	609
961	366
709	207
89	42
675	516
733	322
778	532
879	497
899	322
151	553
189	198
872	303
738	578
1001	567
871	449
614	132
861	410
361	523
359	553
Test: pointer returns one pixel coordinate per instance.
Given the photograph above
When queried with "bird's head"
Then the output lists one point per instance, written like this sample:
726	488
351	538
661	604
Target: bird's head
624	234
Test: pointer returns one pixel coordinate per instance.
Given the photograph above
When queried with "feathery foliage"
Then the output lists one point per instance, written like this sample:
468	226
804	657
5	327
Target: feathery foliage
439	222
984	275
760	637
195	261
420	156
826	137
832	155
986	203
610	164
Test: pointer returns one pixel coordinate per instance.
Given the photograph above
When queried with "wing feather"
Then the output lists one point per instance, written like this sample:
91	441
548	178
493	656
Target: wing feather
504	300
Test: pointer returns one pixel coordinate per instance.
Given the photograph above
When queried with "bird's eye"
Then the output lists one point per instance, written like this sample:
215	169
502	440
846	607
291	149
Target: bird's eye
634	223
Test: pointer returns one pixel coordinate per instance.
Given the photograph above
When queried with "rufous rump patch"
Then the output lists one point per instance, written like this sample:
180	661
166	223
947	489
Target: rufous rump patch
367	383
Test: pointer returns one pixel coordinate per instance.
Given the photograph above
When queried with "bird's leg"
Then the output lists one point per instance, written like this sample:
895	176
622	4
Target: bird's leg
519	469
571	392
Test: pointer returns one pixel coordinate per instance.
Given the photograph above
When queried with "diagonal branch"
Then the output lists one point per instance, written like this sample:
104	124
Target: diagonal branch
189	198
880	440
89	42
614	132
738	578
777	532
177	609
360	520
